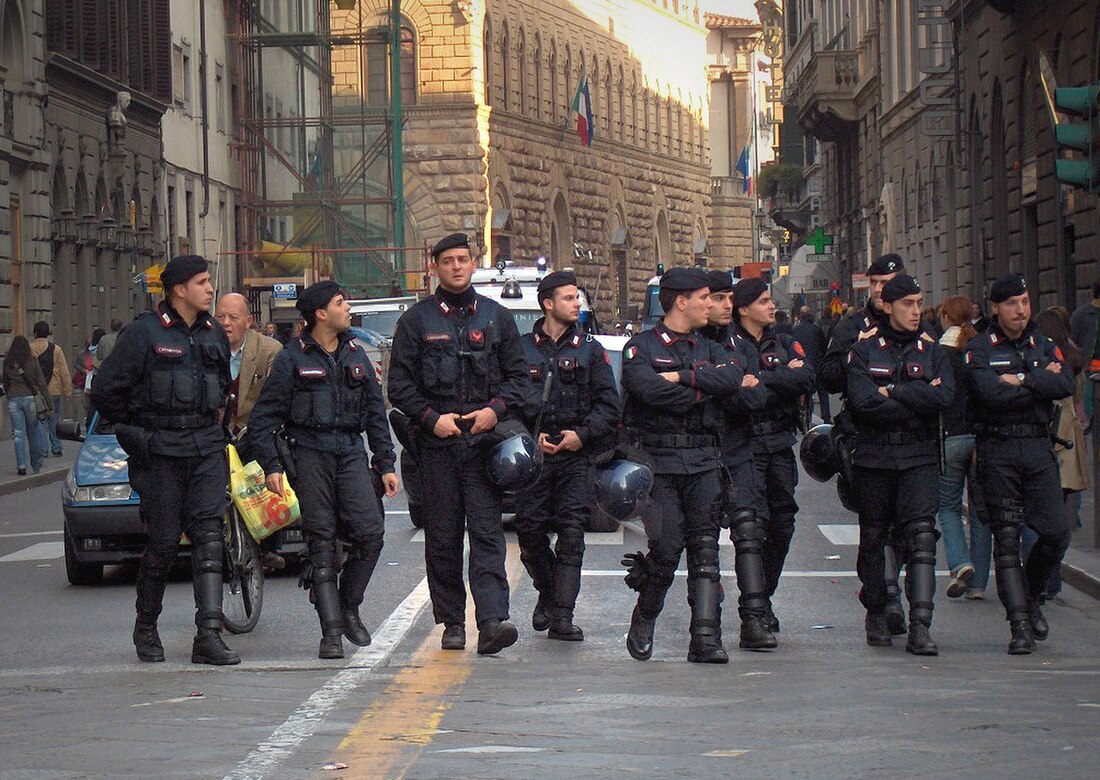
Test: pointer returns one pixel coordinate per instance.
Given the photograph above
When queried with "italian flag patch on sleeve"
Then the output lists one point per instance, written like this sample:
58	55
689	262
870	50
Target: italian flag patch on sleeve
630	353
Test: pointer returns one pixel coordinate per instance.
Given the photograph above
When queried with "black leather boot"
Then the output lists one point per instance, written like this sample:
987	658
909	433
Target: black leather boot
1010	583
567	585
920	641
771	620
706	624
354	579
893	612
206	566
639	639
878	632
1023	640
209	648
1040	628
332	622
495	635
147	642
354	629
454	637
755	634
540	616
748	563
920	582
539	560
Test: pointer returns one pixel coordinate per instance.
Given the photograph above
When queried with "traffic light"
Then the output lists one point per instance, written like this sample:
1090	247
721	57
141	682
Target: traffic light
1082	136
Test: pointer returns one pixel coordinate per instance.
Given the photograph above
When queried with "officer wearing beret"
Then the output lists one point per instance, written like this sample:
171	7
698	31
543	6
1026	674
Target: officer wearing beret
673	381
743	494
579	415
164	386
832	375
456	369
898	384
322	390
1016	374
781	365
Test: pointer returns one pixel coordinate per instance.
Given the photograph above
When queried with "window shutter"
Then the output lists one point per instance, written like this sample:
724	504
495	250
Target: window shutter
161	48
89	33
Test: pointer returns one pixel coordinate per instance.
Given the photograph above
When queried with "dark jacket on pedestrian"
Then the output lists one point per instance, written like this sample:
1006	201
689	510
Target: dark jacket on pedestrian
813	341
24	380
897	430
956	417
1084	325
325	402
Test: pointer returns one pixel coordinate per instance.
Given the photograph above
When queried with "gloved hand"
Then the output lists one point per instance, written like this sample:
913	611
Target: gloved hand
637	570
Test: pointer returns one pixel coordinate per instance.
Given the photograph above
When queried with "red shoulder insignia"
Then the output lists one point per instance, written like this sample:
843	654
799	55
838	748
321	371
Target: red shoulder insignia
798	348
1058	354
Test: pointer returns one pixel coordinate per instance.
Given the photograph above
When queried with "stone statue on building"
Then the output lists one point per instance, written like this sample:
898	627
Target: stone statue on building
116	120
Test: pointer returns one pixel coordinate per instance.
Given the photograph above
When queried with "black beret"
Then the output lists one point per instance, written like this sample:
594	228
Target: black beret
684	279
899	287
317	296
1007	286
553	281
453	241
720	281
886	264
182	268
746	291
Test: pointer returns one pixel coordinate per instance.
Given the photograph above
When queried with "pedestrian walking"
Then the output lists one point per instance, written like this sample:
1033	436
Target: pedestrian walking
59	382
456	370
1016	376
968	561
898	385
787	375
575	421
23	382
672	379
1085	331
164	386
322	391
814	342
106	343
743	497
88	365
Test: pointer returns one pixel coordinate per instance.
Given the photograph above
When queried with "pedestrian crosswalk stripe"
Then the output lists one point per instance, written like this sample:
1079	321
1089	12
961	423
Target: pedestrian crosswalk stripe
846	534
43	551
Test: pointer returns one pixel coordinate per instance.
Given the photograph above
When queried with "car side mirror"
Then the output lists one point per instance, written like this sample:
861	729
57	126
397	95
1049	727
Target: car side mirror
71	430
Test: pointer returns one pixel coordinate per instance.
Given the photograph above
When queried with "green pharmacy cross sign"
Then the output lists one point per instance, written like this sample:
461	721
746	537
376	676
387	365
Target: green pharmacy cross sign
819	239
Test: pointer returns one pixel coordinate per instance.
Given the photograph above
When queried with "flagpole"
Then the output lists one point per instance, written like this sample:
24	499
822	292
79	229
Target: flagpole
751	165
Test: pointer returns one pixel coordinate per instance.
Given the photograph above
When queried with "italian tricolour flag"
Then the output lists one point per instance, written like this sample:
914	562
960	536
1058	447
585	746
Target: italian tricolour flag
582	106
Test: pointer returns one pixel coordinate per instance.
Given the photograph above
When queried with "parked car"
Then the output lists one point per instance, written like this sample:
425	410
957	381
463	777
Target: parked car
103	523
418	494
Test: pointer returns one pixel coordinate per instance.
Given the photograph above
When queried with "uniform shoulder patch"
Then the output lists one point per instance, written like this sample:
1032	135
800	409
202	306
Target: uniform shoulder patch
606	358
798	349
630	352
1058	354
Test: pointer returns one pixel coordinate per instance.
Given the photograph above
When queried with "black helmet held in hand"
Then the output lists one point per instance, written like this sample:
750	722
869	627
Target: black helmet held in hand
515	462
621	487
818	453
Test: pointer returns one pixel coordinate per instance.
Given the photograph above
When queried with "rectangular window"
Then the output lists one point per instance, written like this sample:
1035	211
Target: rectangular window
189	215
219	97
172	222
377	76
177	75
280	131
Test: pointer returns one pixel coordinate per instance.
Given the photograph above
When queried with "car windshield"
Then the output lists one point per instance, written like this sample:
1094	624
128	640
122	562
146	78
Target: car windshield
525	320
384	322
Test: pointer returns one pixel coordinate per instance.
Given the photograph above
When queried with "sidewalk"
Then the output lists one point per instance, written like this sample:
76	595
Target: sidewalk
53	469
1081	565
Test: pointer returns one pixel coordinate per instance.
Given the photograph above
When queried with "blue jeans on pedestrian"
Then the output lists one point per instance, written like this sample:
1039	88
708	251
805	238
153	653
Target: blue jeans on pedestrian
51	426
27	432
958	452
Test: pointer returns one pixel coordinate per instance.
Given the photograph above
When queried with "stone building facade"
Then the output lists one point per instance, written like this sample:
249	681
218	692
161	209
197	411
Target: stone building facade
490	144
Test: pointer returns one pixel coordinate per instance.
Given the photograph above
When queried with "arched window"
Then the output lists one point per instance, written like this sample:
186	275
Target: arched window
668	124
504	80
553	79
81	205
487	59
607	99
521	70
999	163
376	66
536	62
1029	115
646	138
635	122
622	104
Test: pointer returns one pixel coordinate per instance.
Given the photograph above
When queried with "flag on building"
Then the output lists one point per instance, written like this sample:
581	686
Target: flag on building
582	105
743	169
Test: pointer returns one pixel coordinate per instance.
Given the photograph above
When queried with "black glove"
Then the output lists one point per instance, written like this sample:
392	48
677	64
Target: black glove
637	570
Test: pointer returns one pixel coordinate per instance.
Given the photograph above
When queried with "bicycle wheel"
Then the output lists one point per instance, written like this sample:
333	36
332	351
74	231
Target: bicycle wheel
243	594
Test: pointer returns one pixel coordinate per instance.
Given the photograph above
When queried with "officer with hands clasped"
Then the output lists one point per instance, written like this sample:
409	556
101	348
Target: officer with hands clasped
1015	376
580	413
322	390
898	384
456	369
671	379
743	495
780	363
164	387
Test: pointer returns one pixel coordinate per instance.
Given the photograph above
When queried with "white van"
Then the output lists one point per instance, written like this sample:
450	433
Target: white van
516	289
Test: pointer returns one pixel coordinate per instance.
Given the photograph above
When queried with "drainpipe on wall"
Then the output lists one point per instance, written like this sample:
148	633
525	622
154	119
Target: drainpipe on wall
204	104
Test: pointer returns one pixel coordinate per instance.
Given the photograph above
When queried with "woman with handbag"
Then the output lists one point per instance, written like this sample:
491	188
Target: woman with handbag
28	404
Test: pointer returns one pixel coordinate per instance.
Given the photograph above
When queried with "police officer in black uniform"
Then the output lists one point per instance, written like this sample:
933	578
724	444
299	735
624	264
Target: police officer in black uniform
898	384
831	374
164	386
322	390
672	376
456	369
580	414
1016	374
743	495
780	362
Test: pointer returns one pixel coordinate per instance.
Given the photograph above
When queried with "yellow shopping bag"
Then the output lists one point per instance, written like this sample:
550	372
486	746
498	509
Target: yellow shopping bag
263	512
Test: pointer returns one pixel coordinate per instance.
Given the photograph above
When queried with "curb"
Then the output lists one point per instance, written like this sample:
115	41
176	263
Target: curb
44	477
1086	582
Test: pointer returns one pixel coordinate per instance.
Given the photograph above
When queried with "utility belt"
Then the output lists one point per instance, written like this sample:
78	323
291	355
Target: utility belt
1017	431
678	440
896	437
768	427
177	422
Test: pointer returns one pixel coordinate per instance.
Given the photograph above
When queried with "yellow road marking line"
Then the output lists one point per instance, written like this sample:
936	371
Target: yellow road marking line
404	718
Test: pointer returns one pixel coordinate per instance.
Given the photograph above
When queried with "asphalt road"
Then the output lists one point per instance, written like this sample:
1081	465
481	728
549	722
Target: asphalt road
75	702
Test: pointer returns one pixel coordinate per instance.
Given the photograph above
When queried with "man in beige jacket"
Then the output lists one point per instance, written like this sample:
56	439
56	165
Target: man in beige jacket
251	356
59	381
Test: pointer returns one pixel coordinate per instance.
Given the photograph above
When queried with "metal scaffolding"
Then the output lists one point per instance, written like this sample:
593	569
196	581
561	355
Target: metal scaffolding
318	146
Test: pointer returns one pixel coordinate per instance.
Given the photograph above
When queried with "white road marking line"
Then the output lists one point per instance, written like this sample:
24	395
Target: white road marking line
609	538
493	749
304	722
177	700
43	551
31	533
847	534
730	573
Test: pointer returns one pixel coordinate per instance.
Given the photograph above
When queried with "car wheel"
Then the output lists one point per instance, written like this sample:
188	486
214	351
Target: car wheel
78	572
